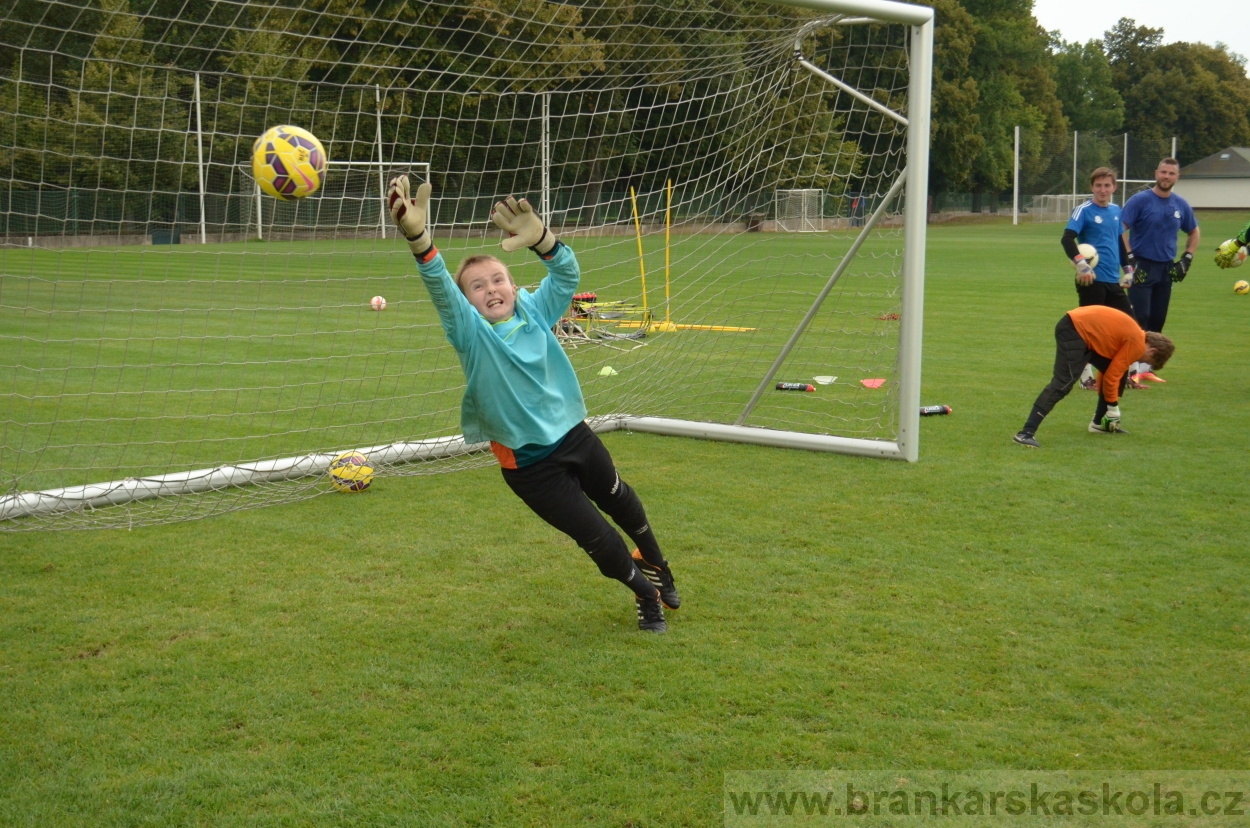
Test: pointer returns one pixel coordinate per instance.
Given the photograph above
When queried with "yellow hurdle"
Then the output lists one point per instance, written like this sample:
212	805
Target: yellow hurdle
648	324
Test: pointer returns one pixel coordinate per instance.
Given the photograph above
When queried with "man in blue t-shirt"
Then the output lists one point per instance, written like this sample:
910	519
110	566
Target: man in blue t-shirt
1097	222
1152	219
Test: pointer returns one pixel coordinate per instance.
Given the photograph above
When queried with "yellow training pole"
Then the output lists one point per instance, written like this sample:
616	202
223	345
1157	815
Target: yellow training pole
668	223
638	232
642	268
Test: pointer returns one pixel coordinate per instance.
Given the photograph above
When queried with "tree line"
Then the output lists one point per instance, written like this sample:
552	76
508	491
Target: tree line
112	69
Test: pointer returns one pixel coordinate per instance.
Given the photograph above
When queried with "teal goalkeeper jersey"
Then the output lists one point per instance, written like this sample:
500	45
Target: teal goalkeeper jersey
520	388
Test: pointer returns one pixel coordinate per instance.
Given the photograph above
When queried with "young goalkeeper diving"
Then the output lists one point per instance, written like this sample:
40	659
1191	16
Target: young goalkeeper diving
522	394
1233	252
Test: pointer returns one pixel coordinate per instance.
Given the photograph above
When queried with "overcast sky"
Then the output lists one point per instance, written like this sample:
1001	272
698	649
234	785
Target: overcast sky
1196	21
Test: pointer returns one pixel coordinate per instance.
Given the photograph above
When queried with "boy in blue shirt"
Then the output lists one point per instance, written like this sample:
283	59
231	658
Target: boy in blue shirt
522	395
1097	222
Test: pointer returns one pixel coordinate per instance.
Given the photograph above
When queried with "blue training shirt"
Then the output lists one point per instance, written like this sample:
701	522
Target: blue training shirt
1100	226
1154	221
520	388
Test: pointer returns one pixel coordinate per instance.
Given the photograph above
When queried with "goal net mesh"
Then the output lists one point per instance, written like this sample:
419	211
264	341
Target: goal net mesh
165	329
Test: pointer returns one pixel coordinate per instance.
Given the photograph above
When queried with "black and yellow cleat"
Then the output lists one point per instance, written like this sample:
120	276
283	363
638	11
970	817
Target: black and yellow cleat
662	578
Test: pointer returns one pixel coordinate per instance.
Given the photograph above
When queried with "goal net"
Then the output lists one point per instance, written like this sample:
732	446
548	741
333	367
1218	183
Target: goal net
800	211
174	346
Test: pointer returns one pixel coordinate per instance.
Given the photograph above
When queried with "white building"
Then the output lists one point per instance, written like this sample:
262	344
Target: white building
1221	180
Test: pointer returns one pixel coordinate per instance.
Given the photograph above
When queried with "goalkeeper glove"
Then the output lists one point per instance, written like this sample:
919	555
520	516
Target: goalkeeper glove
409	214
1230	254
524	227
1180	267
1126	277
1111	420
1139	275
1084	273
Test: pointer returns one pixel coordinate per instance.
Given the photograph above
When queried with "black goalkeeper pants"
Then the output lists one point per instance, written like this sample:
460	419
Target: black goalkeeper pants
568	488
1071	356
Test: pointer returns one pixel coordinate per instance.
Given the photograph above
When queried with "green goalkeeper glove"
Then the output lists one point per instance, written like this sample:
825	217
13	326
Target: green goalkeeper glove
409	214
1139	273
1180	268
1230	254
524	227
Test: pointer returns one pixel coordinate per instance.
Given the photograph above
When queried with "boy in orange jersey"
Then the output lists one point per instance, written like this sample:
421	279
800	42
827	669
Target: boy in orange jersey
1111	341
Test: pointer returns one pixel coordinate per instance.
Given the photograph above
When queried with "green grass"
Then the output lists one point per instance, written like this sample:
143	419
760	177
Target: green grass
430	653
132	362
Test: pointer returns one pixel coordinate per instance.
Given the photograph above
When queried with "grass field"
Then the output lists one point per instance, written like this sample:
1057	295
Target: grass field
138	361
431	654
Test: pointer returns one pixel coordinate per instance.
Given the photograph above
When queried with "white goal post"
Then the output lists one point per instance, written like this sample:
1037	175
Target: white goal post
178	346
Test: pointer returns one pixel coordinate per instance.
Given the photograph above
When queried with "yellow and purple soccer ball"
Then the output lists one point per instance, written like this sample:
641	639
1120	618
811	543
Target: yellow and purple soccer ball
1241	287
288	162
351	471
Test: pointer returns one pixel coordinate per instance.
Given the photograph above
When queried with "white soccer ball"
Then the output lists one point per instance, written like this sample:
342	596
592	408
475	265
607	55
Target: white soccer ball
377	303
1090	253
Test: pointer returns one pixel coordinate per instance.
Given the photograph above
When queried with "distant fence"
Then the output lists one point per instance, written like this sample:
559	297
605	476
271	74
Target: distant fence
1053	175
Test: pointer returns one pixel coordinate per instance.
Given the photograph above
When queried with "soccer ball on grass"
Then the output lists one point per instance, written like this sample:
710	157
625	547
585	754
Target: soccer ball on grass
1241	288
351	472
288	162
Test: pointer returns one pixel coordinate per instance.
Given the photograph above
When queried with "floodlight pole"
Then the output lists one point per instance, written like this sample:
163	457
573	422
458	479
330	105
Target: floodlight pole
199	149
1124	173
377	98
1015	182
545	144
1075	137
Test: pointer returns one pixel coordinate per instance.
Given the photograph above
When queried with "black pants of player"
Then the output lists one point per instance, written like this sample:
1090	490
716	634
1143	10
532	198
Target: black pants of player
1071	356
1108	294
564	490
1151	300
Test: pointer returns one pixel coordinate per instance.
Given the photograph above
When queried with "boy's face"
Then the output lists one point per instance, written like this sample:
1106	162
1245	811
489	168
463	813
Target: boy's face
1103	188
488	287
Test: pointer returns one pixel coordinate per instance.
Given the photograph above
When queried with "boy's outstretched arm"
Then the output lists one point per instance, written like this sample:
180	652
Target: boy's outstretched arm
410	214
526	229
